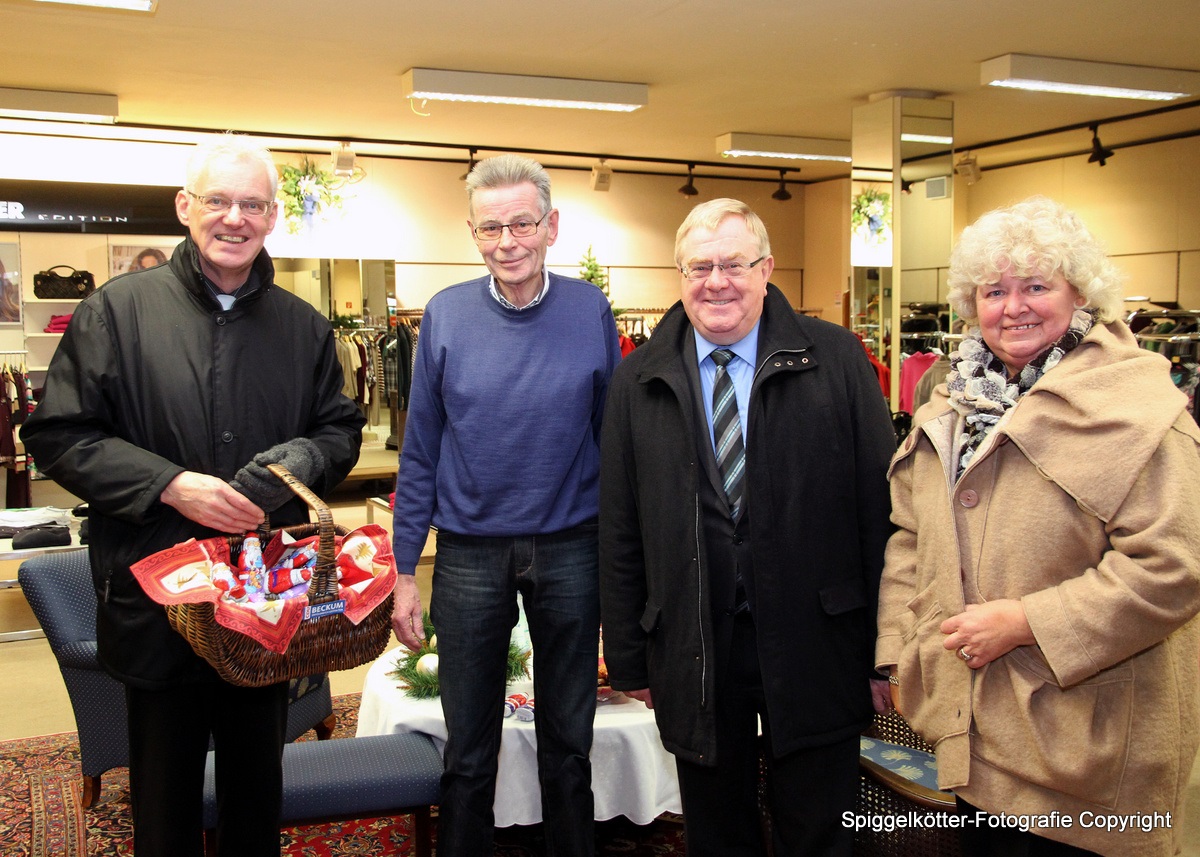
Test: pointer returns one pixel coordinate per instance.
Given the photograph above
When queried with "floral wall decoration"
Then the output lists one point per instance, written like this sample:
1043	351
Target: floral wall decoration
305	192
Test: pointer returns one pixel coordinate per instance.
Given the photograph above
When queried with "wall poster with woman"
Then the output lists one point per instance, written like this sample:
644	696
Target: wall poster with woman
138	257
10	284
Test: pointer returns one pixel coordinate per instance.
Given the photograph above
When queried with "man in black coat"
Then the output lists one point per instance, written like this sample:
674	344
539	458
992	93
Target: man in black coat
741	544
170	392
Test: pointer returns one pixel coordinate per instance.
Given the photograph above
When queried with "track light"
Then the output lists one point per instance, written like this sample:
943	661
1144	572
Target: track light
601	176
689	188
782	194
968	168
1099	155
470	165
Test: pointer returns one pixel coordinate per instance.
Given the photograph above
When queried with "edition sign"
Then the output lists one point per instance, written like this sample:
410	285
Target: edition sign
36	206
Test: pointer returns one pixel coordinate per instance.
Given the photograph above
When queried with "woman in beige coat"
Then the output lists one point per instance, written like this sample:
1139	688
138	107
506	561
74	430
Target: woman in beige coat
1037	611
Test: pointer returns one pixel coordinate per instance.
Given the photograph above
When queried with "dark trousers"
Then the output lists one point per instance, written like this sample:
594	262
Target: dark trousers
168	743
474	609
807	790
983	840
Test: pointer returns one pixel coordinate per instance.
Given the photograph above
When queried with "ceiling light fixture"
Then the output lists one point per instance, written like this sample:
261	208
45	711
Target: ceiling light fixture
689	188
127	5
1099	155
57	106
470	164
968	168
739	145
441	85
602	176
927	129
1081	77
782	194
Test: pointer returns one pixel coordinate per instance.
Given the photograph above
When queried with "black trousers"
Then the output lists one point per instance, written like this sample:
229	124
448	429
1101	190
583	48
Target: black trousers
807	790
1000	841
168	742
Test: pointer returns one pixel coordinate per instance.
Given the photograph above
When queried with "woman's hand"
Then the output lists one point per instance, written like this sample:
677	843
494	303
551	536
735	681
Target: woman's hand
984	632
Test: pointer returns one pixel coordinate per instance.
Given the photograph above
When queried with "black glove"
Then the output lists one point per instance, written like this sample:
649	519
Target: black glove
301	457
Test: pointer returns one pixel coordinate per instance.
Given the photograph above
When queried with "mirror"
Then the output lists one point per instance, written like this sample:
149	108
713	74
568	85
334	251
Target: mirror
358	288
355	294
901	224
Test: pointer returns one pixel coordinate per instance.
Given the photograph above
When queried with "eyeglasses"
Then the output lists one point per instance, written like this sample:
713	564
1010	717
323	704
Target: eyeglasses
518	229
732	270
248	207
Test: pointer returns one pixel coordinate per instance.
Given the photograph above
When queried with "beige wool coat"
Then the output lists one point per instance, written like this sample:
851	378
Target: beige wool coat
1084	504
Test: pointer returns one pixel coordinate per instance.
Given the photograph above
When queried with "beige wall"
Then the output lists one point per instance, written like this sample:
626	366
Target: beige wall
827	248
1141	205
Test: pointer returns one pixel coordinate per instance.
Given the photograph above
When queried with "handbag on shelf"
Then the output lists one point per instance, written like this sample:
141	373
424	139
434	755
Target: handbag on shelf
51	285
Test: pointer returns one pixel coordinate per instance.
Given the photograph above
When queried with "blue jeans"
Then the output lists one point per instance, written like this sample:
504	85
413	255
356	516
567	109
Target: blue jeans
474	609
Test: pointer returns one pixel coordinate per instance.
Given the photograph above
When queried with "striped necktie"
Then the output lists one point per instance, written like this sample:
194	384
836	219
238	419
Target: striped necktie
727	434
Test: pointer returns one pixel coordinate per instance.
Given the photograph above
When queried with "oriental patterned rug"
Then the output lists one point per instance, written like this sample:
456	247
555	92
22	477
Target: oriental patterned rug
41	814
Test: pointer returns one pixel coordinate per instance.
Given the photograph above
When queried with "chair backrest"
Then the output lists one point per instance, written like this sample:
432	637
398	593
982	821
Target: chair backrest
59	589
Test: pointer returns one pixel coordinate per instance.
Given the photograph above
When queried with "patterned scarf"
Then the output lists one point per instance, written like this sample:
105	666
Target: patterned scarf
981	391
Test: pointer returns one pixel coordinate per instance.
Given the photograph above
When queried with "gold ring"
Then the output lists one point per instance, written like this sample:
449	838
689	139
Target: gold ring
963	654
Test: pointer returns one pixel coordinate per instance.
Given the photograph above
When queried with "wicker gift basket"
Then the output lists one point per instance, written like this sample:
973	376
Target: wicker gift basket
324	643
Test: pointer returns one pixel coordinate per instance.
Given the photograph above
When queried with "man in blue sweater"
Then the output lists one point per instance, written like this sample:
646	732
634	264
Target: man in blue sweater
501	454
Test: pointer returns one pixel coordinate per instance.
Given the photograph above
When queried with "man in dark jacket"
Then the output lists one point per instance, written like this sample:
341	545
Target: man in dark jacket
170	392
741	544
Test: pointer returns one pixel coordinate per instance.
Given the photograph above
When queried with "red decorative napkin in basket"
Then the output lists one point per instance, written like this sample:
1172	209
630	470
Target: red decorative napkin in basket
183	575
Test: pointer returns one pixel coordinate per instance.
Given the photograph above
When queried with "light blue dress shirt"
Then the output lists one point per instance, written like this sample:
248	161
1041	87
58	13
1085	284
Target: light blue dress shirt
740	369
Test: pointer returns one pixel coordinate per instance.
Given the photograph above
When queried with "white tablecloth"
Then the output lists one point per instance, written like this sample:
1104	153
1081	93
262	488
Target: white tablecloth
632	775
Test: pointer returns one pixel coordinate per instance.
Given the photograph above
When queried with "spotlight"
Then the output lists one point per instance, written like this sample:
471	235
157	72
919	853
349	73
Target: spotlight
1099	155
968	168
470	165
601	176
689	188
782	194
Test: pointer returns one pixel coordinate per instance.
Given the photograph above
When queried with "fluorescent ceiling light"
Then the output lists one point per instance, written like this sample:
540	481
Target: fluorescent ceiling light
128	5
1080	77
927	129
738	145
59	106
440	85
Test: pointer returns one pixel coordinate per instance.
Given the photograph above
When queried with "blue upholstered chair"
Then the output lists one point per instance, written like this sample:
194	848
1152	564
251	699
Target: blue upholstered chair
374	776
58	587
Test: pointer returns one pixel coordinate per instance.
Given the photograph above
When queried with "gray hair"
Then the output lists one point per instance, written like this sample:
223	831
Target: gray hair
1035	237
233	147
506	171
711	214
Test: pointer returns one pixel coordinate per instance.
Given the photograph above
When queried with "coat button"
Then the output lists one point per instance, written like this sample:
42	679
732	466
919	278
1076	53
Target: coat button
969	498
227	436
220	320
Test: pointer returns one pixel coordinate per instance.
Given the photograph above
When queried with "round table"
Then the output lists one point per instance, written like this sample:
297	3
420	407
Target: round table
632	774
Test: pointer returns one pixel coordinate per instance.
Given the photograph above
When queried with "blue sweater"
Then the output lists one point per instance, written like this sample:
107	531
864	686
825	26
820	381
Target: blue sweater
503	429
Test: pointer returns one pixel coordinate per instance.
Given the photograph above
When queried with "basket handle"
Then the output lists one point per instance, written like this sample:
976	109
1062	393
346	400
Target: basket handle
323	586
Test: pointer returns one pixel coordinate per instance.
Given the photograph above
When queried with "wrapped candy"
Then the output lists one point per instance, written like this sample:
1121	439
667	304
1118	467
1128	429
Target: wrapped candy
513	702
304	557
525	712
250	563
229	583
284	579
